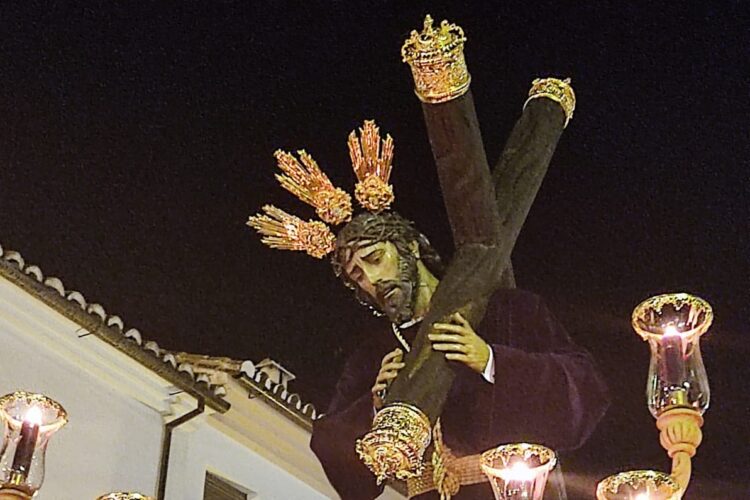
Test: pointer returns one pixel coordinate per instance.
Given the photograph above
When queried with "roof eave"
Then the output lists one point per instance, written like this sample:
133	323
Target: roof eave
14	273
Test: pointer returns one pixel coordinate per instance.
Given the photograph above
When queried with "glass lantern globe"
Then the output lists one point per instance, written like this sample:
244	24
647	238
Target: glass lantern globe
29	420
518	471
638	485
672	324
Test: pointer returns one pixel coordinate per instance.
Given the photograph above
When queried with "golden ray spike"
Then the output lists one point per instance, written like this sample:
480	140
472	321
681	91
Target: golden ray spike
372	160
307	182
284	231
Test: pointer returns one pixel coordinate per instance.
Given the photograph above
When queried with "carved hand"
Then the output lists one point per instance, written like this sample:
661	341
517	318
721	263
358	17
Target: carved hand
460	342
389	368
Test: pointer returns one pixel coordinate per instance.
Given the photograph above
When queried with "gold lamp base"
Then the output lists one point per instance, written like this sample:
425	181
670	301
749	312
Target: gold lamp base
396	444
680	436
12	494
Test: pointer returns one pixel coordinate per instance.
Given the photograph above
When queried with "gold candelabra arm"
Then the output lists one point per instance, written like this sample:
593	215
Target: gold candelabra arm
678	394
680	437
681	470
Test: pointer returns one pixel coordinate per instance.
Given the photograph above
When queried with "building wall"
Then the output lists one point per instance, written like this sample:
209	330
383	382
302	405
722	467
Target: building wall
117	409
203	448
112	441
254	446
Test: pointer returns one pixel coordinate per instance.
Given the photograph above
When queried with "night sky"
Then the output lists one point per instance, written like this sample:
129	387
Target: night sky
136	138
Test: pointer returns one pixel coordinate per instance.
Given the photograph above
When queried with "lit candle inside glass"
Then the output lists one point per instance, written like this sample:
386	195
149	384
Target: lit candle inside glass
29	421
674	362
673	324
638	485
518	471
27	441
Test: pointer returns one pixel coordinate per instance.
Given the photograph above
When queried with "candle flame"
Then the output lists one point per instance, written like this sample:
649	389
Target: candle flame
671	331
33	416
518	472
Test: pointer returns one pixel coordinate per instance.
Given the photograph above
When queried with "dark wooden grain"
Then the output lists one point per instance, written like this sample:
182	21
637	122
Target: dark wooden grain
486	211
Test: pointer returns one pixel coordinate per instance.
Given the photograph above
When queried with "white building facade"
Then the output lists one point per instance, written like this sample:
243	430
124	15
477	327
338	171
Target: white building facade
245	436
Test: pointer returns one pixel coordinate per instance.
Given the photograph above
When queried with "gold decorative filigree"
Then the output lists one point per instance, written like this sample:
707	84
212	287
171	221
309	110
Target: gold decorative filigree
372	159
395	446
311	185
436	58
558	90
15	404
690	315
525	451
286	232
658	484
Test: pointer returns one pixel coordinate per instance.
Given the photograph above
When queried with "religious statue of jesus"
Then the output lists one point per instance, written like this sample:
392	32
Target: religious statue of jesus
469	361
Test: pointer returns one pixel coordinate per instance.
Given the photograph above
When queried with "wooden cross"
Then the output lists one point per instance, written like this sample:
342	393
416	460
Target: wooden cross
486	210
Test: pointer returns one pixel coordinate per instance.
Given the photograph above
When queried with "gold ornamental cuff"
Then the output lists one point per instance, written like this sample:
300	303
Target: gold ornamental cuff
558	90
395	446
436	58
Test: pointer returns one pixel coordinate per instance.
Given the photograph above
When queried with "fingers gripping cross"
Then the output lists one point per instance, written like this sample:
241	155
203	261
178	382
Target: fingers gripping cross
458	340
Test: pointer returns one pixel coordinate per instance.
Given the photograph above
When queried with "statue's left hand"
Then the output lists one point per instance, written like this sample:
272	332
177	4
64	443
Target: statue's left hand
460	342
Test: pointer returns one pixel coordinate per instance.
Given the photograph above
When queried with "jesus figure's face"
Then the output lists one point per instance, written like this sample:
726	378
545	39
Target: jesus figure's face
384	278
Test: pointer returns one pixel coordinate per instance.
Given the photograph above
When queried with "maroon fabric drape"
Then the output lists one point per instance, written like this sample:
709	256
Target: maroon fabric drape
547	390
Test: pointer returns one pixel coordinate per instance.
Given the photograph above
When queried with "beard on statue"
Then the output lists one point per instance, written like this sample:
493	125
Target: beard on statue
379	256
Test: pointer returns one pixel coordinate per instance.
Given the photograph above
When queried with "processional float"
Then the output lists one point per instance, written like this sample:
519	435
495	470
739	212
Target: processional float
485	232
486	217
486	211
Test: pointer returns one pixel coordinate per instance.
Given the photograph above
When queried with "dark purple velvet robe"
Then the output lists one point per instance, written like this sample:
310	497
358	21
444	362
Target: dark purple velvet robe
547	390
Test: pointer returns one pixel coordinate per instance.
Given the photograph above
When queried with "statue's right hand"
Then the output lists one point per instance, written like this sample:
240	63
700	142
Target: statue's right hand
389	367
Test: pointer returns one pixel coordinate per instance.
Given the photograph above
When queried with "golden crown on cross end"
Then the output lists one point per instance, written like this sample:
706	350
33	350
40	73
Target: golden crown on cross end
558	90
436	58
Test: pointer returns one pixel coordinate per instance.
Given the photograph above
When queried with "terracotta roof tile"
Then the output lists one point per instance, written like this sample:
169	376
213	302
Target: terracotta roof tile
258	382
